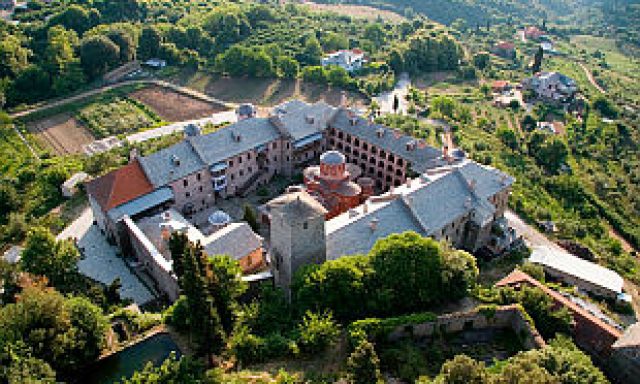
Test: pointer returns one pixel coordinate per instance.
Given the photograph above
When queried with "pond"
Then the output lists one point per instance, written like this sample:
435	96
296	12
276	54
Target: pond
123	364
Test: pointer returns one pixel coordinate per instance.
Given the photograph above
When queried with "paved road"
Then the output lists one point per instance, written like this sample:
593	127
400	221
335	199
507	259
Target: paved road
532	236
592	80
93	92
385	99
215	119
100	261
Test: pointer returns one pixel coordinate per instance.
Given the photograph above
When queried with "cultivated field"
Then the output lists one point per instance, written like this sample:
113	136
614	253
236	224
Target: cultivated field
357	11
61	133
173	106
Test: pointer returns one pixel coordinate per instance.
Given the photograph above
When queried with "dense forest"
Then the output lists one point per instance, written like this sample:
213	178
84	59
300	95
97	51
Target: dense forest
60	47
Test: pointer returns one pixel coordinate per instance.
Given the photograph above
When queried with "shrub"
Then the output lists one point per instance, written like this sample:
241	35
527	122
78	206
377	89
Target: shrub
317	332
363	365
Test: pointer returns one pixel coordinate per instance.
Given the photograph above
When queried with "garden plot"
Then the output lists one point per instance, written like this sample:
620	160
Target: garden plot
61	133
114	117
173	106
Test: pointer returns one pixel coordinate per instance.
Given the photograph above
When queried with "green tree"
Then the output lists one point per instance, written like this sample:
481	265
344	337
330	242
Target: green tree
375	33
44	256
462	370
173	370
407	265
338	76
225	286
508	138
76	18
312	51
314	74
250	217
446	106
363	365
125	43
288	67
14	58
537	60
332	41
606	107
340	285
149	43
482	60
65	333
97	55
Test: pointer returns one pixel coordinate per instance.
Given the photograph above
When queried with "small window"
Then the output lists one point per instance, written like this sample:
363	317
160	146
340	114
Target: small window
198	177
240	159
230	163
275	145
241	173
187	195
185	182
248	156
200	188
250	170
305	225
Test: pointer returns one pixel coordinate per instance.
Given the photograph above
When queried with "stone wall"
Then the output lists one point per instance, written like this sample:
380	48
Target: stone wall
510	316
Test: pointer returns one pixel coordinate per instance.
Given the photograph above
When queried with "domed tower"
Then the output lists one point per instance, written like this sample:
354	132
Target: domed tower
297	235
332	183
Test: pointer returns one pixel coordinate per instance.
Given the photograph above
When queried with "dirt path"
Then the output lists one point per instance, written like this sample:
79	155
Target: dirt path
592	80
93	92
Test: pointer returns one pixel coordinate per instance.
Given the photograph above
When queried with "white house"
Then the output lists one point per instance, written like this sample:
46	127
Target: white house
351	60
552	86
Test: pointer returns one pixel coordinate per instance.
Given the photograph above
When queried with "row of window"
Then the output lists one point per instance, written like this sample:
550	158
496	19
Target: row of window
348	139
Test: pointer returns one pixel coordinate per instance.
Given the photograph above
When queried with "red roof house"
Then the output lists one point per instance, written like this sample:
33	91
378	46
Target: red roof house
119	186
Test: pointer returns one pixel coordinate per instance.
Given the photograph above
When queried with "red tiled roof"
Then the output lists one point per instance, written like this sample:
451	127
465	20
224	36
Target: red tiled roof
499	84
519	277
120	186
533	31
505	45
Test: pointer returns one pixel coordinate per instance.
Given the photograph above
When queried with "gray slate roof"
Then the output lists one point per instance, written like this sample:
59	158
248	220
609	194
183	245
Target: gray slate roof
221	145
300	119
236	240
423	207
420	158
161	169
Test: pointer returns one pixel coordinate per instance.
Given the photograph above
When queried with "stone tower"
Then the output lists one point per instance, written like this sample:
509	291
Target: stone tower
297	235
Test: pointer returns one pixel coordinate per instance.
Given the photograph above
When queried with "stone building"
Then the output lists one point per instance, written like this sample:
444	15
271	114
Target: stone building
433	191
297	234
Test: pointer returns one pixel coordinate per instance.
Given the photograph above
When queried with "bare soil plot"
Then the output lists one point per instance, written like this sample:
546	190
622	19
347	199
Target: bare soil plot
267	93
62	133
173	106
357	11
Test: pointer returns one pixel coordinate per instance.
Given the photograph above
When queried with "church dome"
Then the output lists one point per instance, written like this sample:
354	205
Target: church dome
332	158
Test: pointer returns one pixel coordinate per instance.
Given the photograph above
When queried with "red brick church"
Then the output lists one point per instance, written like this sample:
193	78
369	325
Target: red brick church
333	183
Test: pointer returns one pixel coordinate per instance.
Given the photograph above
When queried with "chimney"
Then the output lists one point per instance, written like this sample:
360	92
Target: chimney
467	203
373	224
380	132
397	133
133	154
365	208
353	121
408	182
175	160
472	184
353	213
309	119
344	102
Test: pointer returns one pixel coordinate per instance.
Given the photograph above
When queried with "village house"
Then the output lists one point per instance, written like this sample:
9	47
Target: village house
500	86
349	59
505	49
433	191
551	86
533	32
